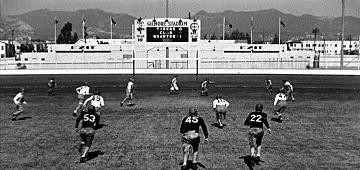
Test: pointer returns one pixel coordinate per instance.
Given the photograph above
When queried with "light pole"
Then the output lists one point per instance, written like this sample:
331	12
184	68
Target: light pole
12	36
342	33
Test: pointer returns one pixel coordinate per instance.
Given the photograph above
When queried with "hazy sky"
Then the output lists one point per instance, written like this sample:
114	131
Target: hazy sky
180	8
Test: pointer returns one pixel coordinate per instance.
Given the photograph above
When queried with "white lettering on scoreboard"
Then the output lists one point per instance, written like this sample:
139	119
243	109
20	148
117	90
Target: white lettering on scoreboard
167	30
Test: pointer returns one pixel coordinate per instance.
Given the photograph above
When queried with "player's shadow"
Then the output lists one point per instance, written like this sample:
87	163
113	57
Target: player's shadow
218	125
276	120
247	161
100	126
131	104
193	166
94	154
24	118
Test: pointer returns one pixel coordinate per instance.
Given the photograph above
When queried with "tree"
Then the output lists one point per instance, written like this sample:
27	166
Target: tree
205	36
213	36
75	38
227	36
66	36
248	38
235	35
315	31
276	39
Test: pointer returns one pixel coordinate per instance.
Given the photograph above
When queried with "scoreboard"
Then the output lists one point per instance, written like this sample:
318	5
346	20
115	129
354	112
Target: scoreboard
167	34
167	30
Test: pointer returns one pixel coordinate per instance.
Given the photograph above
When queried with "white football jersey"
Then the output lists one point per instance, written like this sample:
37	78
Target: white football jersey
130	86
19	98
220	103
204	84
84	90
288	84
280	97
174	80
96	101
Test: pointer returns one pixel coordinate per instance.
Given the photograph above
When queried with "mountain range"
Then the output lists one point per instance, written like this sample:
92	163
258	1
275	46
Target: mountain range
39	24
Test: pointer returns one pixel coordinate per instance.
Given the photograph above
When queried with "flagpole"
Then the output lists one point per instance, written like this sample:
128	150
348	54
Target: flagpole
55	31
110	28
83	30
251	30
224	29
279	29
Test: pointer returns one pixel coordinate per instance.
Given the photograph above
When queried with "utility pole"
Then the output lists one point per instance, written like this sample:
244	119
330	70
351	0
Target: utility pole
167	8
342	33
223	29
251	30
279	29
55	25
12	36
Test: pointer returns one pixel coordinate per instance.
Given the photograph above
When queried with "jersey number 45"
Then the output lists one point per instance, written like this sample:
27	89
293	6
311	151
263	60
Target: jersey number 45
191	120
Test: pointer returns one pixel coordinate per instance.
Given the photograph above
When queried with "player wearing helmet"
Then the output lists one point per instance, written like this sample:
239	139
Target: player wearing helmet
256	120
129	92
280	104
87	131
19	101
81	91
174	89
204	89
220	106
97	101
190	135
288	90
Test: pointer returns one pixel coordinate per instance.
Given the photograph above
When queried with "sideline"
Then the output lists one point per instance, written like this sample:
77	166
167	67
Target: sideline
181	71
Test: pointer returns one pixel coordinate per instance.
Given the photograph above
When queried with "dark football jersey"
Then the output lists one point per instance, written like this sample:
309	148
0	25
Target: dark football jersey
89	119
193	123
257	119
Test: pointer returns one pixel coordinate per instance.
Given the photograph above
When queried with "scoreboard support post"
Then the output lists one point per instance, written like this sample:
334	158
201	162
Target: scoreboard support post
133	65
197	64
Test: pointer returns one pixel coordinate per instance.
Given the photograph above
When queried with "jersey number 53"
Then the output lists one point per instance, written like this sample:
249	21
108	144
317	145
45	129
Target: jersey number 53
88	117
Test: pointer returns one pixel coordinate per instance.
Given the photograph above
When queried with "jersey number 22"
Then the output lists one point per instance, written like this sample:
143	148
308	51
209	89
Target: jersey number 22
256	118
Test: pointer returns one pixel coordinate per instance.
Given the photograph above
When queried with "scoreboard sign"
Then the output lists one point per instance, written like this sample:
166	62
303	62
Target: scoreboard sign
167	30
167	34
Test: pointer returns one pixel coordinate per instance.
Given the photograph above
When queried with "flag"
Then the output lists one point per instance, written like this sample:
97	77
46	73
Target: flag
282	24
227	24
113	21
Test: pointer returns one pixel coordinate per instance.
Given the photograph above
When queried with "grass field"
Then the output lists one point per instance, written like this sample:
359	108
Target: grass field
321	129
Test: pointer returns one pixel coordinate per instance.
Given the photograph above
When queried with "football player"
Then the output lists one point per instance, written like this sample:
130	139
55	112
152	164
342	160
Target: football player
19	101
289	90
268	85
174	89
129	92
190	135
81	91
256	120
204	89
220	106
97	101
51	85
87	130
280	104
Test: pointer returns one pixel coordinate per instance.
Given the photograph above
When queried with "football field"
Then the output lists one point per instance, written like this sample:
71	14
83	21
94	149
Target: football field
320	130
